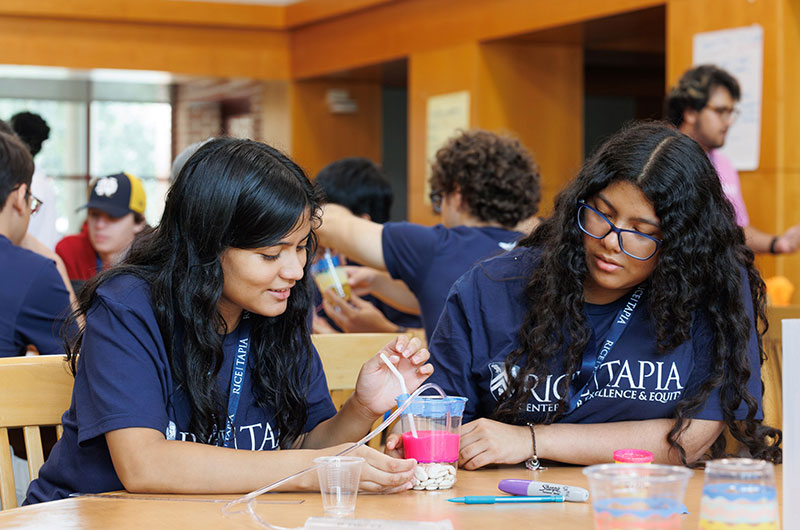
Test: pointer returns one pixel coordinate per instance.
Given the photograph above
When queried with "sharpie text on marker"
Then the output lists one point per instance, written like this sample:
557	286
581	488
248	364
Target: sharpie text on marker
532	487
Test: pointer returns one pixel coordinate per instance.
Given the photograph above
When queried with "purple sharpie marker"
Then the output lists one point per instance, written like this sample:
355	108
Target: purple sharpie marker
532	487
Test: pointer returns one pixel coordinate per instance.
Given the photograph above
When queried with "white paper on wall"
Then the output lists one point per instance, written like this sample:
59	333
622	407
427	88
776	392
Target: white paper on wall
446	114
791	421
740	51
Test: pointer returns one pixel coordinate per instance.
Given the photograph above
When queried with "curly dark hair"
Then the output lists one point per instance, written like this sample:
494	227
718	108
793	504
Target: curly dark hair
231	193
694	89
700	269
32	129
497	177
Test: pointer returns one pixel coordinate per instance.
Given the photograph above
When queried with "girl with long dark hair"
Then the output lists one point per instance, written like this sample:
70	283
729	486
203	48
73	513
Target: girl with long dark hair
195	357
632	317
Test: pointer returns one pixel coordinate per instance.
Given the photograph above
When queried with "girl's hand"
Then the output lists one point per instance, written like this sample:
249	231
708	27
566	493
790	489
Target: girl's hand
485	441
356	315
394	445
360	279
377	387
381	473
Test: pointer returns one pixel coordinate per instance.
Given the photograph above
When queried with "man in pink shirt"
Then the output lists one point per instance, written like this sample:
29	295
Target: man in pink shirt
702	106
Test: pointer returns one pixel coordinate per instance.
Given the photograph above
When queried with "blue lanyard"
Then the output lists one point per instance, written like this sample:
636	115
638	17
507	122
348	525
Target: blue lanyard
99	268
237	376
617	328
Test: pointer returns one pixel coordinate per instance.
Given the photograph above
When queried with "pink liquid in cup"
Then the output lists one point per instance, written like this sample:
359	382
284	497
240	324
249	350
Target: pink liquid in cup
431	446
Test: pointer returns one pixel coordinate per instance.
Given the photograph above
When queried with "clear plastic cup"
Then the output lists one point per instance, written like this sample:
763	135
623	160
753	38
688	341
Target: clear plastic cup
637	495
338	483
329	273
739	493
434	440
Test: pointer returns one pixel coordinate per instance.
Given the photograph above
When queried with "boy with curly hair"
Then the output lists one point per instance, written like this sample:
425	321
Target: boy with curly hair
486	187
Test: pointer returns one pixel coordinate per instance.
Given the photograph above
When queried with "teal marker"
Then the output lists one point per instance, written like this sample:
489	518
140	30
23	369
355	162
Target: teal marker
512	499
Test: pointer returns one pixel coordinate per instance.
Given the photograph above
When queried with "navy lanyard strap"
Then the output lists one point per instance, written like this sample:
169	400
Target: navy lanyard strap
237	376
99	267
614	333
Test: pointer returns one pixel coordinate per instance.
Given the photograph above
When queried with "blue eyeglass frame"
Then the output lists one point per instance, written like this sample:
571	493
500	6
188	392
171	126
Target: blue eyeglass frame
618	231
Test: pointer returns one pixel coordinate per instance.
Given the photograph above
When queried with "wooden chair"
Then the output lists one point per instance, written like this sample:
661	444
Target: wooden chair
34	391
342	355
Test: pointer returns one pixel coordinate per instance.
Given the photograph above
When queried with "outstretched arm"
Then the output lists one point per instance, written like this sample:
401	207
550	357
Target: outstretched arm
352	236
148	463
366	280
760	242
486	441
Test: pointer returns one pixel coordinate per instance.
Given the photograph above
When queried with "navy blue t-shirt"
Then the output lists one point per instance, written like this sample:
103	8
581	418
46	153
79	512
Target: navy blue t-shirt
429	259
33	302
478	330
124	380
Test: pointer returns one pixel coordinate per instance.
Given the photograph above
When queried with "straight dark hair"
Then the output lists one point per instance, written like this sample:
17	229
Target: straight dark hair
16	165
359	185
231	193
700	271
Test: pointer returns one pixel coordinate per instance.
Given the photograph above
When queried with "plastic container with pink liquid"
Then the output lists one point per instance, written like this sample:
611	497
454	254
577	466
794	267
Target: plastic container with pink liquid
434	439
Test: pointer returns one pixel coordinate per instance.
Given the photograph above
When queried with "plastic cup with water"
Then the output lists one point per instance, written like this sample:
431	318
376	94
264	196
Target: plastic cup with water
739	493
431	436
329	273
338	483
637	495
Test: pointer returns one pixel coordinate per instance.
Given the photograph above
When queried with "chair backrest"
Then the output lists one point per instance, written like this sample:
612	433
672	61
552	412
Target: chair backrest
34	391
342	355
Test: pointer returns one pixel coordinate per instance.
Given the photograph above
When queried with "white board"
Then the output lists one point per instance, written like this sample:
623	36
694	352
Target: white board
740	51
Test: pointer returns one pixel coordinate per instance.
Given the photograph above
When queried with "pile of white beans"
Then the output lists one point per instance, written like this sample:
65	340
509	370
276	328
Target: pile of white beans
434	476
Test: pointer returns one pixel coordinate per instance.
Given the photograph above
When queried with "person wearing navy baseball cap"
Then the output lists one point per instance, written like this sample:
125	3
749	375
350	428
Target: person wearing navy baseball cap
115	217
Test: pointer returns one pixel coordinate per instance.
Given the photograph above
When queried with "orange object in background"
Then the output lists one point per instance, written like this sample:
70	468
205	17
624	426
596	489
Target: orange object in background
779	290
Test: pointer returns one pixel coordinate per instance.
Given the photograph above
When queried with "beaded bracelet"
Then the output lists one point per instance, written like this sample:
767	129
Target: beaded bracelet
533	462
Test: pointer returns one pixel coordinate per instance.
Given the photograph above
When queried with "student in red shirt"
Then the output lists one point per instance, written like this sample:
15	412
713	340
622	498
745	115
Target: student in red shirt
116	216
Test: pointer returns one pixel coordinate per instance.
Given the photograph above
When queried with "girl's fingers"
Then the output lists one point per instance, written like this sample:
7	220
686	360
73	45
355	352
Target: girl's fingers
374	487
401	344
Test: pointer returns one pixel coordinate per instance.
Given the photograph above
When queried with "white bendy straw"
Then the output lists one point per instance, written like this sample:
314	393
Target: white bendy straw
399	377
337	283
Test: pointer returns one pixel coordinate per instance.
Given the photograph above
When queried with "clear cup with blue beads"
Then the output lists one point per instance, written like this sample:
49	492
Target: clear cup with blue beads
739	493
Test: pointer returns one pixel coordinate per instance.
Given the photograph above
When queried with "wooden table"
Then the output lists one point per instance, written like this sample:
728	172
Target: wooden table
124	511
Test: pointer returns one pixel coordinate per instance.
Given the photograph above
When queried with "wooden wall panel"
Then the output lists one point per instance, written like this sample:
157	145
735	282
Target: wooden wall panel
138	46
401	28
535	91
771	192
320	137
153	11
429	74
790	81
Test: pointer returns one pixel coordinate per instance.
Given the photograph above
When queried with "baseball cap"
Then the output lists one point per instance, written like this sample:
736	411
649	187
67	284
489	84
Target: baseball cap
117	195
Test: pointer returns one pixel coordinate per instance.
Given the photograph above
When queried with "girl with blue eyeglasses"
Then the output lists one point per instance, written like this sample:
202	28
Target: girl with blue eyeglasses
632	317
